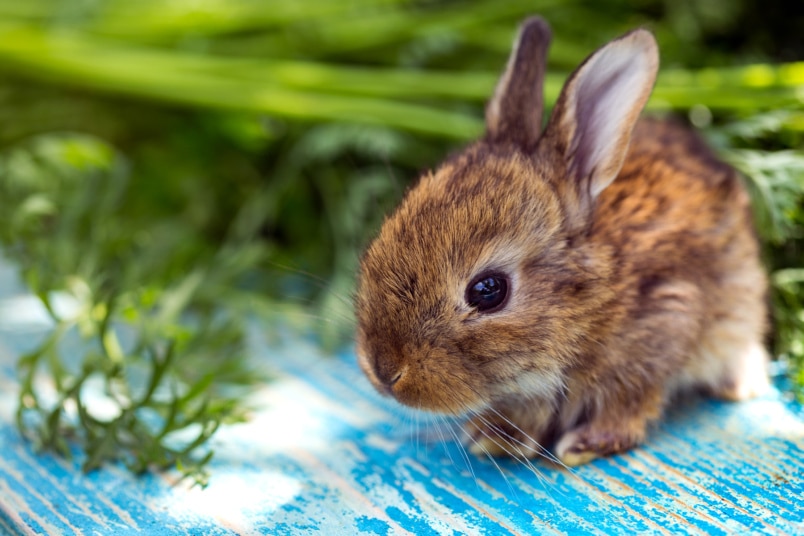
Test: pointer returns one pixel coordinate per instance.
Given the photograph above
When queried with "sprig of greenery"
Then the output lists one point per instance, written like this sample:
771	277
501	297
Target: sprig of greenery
788	285
163	362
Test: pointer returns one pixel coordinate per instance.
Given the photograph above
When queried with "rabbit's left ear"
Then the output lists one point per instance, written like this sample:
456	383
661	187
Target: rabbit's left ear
590	127
514	113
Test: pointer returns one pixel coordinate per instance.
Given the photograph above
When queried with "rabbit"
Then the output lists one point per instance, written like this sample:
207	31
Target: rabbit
559	288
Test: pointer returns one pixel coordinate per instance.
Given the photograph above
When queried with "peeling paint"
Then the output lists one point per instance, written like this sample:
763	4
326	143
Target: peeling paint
328	455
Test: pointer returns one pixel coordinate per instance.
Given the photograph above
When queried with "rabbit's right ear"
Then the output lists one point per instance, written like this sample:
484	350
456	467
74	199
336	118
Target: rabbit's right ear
514	113
590	128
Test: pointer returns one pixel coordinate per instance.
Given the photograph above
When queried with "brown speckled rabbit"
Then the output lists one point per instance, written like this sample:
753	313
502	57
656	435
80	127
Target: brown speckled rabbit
561	287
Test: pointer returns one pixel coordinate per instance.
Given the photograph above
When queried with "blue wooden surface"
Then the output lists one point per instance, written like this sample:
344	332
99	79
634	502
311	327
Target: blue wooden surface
326	455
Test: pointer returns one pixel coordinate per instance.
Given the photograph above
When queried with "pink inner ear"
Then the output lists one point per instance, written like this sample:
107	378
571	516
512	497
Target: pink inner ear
608	94
591	131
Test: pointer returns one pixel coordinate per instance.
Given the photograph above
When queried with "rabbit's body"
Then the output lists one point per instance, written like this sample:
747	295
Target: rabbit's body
522	284
680	229
684	302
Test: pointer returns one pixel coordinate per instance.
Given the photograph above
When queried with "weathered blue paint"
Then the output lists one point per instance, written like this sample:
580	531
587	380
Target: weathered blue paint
327	455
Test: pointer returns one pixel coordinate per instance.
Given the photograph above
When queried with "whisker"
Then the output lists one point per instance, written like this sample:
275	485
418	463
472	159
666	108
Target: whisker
464	454
500	469
293	270
320	282
438	423
541	451
522	458
515	452
418	433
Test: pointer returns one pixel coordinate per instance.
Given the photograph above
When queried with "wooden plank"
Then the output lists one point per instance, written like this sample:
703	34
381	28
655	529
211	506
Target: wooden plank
326	454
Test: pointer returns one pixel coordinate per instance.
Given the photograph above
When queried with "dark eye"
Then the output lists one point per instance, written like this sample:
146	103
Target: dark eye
487	293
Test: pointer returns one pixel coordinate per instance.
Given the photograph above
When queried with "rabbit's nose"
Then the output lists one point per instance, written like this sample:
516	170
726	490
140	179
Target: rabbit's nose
389	375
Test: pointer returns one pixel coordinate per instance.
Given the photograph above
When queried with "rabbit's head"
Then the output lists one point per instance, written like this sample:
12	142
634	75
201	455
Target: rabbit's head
480	285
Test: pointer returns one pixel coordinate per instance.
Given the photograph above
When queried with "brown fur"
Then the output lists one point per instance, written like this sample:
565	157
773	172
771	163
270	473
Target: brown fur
617	300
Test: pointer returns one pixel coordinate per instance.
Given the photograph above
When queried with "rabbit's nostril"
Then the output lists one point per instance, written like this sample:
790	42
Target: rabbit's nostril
395	379
387	374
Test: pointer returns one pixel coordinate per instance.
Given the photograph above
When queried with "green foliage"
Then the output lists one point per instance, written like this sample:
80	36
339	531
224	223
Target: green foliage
174	167
789	316
163	356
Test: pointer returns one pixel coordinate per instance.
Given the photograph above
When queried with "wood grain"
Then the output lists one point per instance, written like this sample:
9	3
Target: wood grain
325	454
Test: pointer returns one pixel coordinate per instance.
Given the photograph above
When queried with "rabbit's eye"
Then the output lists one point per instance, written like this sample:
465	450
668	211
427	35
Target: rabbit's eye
487	293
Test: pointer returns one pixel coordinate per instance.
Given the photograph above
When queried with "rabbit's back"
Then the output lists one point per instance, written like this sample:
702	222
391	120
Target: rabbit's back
678	225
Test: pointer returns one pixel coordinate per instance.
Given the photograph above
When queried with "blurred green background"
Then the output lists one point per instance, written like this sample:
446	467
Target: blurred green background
203	159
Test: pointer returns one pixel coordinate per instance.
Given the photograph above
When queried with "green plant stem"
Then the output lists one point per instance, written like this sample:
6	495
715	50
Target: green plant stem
314	92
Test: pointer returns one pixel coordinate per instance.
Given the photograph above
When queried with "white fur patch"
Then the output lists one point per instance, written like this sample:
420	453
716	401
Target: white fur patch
540	384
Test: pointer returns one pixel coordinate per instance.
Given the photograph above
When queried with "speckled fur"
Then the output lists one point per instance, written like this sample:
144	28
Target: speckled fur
617	301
